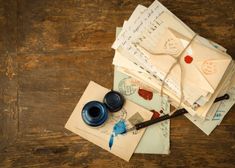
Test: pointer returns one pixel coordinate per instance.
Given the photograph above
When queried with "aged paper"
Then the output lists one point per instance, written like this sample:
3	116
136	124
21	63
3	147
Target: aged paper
221	109
148	29
156	139
124	145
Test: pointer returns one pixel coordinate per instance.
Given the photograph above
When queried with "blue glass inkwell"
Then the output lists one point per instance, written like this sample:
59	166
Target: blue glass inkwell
95	113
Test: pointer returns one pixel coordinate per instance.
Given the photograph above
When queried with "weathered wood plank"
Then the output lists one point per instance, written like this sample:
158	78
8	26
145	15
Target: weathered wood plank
77	25
50	86
67	150
8	73
50	50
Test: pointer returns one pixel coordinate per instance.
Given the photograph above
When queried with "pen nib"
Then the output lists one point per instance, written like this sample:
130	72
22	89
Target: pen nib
131	129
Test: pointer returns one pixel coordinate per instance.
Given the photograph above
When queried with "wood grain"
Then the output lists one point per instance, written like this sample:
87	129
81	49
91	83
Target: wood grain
50	50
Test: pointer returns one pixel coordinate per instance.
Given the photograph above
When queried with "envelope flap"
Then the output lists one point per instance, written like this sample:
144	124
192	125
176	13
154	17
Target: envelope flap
202	65
213	70
195	77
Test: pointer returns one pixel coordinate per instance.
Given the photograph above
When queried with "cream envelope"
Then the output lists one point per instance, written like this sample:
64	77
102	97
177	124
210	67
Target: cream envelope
202	67
124	145
203	110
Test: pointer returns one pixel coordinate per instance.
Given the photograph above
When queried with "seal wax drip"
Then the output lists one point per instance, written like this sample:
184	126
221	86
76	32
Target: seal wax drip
188	59
145	94
155	114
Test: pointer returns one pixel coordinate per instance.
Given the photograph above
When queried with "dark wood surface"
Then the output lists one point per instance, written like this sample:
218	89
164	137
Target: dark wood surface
50	50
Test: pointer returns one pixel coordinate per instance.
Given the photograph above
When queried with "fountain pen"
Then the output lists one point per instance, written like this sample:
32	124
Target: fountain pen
167	116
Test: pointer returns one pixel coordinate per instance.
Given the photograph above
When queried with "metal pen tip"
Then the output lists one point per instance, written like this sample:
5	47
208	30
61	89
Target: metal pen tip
130	129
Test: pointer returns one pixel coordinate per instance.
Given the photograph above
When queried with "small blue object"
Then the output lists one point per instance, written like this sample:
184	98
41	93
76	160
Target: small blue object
113	101
119	128
94	113
111	141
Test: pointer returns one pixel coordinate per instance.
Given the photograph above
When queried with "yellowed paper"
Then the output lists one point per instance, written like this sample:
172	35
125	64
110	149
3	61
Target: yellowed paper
201	77
124	145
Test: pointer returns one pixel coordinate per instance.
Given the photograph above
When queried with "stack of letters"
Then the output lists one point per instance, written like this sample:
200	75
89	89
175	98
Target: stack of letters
159	57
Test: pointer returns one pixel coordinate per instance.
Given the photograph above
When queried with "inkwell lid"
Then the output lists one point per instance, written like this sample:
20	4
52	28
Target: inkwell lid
114	101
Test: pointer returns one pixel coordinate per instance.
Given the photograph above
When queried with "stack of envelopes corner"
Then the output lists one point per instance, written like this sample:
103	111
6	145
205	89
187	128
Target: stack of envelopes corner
153	40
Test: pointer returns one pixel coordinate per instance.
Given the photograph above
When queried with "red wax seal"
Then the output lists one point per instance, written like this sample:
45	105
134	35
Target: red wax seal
147	95
188	59
155	114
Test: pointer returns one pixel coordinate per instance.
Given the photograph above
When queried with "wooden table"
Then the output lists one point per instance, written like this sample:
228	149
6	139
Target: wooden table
50	50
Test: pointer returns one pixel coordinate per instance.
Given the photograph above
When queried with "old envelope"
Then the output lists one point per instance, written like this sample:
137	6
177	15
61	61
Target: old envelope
156	139
124	145
201	65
